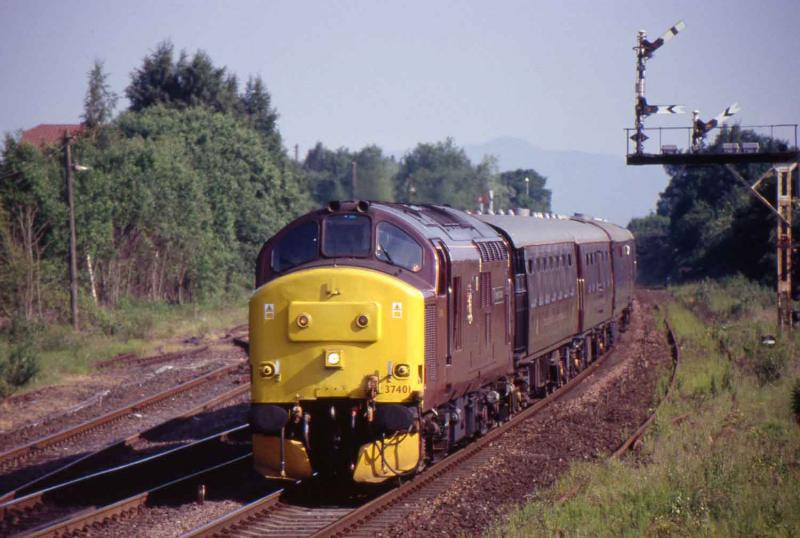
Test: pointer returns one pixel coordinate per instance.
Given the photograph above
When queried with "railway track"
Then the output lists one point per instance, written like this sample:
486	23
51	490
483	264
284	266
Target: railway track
73	505
119	452
274	515
129	359
14	457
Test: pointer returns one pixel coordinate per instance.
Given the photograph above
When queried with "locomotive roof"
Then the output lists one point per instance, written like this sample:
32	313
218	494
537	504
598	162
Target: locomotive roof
434	221
526	231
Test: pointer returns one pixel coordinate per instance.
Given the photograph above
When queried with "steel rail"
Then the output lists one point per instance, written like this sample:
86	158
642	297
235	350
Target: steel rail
96	487
225	524
103	515
128	359
228	524
359	516
21	452
83	464
675	351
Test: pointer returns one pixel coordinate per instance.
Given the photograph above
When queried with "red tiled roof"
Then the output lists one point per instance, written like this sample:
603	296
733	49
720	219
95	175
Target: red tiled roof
50	133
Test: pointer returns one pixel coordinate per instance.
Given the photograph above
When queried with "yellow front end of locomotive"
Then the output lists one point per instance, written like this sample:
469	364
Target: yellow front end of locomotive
336	333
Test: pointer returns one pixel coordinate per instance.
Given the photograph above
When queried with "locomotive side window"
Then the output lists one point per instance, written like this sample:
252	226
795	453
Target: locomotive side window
346	235
395	246
299	245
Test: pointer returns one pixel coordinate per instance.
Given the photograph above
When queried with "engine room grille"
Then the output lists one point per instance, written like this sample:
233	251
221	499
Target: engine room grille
430	343
492	251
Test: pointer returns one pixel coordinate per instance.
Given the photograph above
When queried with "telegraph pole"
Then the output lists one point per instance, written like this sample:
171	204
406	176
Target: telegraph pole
355	179
73	258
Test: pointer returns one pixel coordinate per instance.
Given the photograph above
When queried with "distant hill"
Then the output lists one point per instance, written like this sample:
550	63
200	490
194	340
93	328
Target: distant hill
590	183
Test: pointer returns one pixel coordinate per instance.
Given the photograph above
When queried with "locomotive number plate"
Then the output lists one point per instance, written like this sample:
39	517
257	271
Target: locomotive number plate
389	388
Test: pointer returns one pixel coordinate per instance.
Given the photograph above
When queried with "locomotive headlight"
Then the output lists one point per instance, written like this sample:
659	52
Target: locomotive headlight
333	359
303	320
362	320
402	370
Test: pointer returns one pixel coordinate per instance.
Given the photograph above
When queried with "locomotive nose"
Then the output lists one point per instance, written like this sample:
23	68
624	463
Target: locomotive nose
337	353
330	329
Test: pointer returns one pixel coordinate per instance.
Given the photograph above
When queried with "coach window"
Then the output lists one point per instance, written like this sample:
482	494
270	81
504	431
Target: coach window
299	245
346	235
395	246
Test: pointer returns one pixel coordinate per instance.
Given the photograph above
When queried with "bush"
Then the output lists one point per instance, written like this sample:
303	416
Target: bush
768	361
21	364
796	399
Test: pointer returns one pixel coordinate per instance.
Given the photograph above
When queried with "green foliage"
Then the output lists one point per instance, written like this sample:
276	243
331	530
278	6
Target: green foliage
21	364
768	361
796	399
519	193
715	227
441	173
100	100
181	84
258	113
186	196
328	174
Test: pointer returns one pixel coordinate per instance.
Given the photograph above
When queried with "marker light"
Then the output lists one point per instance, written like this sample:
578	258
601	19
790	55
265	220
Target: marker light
333	359
267	369
303	320
362	320
402	370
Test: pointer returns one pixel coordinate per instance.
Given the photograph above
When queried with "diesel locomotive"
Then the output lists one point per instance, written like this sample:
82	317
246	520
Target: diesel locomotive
383	334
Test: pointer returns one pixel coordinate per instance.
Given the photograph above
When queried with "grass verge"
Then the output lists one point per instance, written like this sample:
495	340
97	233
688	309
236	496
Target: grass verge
722	457
132	327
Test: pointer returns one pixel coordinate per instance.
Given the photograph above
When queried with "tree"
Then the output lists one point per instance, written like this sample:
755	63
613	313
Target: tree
441	173
100	101
185	83
32	215
327	174
716	227
155	81
530	194
374	173
258	112
200	83
653	248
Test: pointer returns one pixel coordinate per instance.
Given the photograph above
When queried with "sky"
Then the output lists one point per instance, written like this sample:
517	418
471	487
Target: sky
559	74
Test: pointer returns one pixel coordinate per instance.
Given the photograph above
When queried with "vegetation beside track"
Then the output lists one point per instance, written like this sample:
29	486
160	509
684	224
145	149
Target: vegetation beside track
723	455
131	327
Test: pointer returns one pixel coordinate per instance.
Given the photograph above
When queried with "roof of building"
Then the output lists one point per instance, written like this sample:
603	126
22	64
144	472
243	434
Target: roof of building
50	133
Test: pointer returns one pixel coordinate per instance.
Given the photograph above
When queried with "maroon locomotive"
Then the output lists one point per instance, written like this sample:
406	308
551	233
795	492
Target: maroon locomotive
383	334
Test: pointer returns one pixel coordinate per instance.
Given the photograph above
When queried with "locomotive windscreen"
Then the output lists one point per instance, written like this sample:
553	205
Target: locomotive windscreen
299	245
346	235
397	247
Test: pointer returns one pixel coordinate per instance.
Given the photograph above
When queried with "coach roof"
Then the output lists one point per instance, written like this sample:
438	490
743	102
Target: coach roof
527	231
616	233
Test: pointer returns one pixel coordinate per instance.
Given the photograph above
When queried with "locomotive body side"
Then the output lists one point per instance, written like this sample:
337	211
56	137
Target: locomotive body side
354	343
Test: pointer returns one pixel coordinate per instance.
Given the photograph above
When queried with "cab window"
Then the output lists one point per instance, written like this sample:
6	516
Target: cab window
299	245
395	246
346	235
